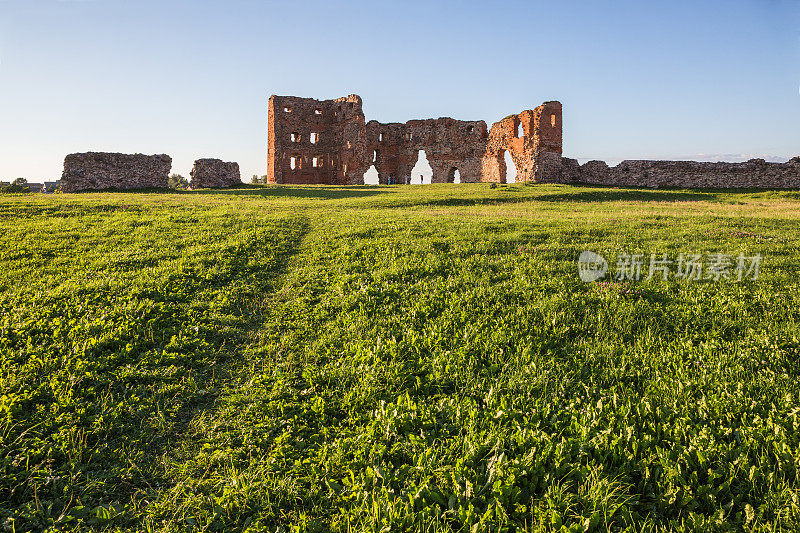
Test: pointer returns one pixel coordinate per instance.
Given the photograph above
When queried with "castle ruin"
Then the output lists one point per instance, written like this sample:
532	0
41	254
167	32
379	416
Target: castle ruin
329	142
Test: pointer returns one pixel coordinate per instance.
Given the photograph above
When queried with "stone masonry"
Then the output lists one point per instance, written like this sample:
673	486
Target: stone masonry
214	173
97	170
328	142
752	174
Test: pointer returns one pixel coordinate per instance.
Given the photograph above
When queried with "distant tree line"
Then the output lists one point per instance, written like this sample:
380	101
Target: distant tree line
18	185
258	180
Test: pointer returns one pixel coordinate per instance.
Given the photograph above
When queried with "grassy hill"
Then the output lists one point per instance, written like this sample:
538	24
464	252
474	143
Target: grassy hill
396	358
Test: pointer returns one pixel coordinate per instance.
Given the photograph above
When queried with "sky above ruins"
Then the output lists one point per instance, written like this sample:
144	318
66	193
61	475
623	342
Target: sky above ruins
712	80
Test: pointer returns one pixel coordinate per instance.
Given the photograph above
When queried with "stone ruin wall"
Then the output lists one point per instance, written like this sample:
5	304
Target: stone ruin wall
98	170
753	174
328	142
347	147
449	145
333	155
215	174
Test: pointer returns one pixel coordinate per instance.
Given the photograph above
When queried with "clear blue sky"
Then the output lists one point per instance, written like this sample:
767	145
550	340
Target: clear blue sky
638	79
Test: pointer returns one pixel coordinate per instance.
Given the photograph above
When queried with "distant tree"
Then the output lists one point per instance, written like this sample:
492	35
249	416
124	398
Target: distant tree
18	185
258	179
176	181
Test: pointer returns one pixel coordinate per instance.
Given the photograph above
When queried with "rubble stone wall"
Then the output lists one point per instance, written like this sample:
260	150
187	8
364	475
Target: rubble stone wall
328	142
752	174
215	173
98	170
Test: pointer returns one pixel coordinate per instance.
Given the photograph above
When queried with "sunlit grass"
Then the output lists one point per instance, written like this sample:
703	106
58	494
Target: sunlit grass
395	358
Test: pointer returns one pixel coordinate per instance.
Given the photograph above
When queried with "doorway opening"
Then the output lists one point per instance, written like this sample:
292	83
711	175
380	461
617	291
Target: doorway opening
371	176
510	168
422	173
454	176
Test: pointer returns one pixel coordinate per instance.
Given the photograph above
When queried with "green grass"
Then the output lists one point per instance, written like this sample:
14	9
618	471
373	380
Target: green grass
395	358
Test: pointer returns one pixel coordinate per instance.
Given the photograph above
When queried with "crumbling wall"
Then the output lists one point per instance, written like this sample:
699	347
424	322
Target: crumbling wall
214	173
753	174
386	150
345	147
526	137
98	170
450	145
316	141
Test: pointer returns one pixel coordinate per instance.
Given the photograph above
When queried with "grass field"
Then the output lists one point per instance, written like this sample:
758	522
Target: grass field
419	358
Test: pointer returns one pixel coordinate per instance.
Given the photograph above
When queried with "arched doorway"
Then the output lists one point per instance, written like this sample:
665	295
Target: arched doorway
371	176
454	176
422	173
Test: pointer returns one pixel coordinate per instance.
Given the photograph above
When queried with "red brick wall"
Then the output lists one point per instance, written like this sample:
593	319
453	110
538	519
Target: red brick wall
349	146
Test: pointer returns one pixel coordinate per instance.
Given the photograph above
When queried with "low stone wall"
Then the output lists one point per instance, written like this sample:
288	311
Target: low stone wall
214	173
98	170
753	174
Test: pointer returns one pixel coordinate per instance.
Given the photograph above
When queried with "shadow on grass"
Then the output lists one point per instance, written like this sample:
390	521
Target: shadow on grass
327	192
629	195
578	193
456	202
292	191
